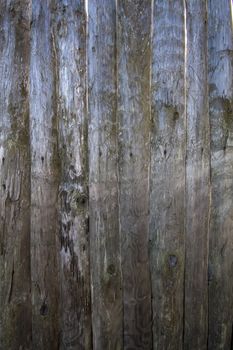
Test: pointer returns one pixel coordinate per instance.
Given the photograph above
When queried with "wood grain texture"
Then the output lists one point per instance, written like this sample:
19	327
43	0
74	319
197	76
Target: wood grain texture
220	46
69	29
116	174
45	171
133	39
167	177
15	305
197	179
103	178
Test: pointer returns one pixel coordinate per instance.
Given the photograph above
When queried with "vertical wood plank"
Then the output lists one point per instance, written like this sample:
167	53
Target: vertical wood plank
134	60
167	178
44	179
70	41
197	179
15	298
103	179
220	46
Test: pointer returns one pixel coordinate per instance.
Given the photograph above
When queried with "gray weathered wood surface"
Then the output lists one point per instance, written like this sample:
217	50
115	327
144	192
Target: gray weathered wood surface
133	48
167	176
69	32
45	173
220	47
116	175
107	319
197	179
15	296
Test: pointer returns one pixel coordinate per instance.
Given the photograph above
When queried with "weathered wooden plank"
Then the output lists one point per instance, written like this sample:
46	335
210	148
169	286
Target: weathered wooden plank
70	41
103	179
197	179
15	298
220	47
133	47
167	177
44	179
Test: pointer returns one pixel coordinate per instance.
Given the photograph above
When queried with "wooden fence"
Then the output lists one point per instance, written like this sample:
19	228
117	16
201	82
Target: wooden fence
116	174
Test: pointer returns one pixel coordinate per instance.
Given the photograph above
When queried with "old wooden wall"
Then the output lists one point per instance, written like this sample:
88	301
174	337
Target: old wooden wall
116	175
